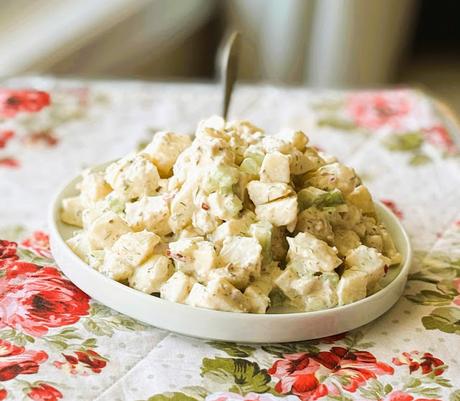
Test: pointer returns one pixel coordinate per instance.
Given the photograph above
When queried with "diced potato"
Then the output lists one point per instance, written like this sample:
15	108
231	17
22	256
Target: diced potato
275	168
205	259
219	294
151	275
72	210
352	286
308	292
264	192
389	247
193	256
115	267
164	150
361	198
150	213
96	259
177	287
301	163
272	144
315	222
281	212
106	229
204	221
241	252
370	261
233	227
262	232
90	214
345	240
135	248
225	206
80	245
310	255
374	241
351	218
257	298
133	176
335	175
297	138
93	187
240	260
213	123
181	205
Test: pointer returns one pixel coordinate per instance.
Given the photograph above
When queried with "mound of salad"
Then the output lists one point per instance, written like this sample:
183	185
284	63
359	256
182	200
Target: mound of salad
233	220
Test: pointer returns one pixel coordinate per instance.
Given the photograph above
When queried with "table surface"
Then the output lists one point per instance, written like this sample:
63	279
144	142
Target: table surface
56	343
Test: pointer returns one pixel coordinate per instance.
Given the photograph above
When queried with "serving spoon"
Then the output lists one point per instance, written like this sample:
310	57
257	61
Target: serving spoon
229	69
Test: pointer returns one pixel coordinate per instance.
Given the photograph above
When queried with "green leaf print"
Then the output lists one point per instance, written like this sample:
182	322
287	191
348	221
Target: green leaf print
446	319
404	142
16	337
436	268
375	390
428	297
279	350
104	321
354	341
232	349
26	255
419	159
177	396
455	396
337	123
236	375
12	233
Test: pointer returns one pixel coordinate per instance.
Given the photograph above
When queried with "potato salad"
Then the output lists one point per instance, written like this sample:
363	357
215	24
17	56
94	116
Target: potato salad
233	220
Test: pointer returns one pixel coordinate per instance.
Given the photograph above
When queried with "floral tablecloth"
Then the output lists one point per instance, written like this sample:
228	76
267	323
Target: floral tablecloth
56	343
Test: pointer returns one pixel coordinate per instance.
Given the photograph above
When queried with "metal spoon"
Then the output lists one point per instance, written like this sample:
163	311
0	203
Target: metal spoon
229	69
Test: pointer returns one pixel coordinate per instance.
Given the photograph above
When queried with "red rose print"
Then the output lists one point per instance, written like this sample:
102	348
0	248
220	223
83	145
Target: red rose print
9	162
3	394
83	362
13	101
439	137
39	243
402	396
333	339
393	207
297	374
353	367
15	360
44	392
416	360
311	376
8	249
372	110
34	299
41	138
5	137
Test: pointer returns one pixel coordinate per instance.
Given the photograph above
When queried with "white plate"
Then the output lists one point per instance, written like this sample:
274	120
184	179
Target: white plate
227	326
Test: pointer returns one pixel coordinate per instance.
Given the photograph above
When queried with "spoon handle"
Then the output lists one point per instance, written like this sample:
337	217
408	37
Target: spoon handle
229	69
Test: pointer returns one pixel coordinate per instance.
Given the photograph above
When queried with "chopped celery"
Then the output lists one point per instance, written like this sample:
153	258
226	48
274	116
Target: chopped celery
262	231
221	179
233	204
312	196
277	298
250	165
116	204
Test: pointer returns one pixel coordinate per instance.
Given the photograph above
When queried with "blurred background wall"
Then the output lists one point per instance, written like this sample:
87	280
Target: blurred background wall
318	43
